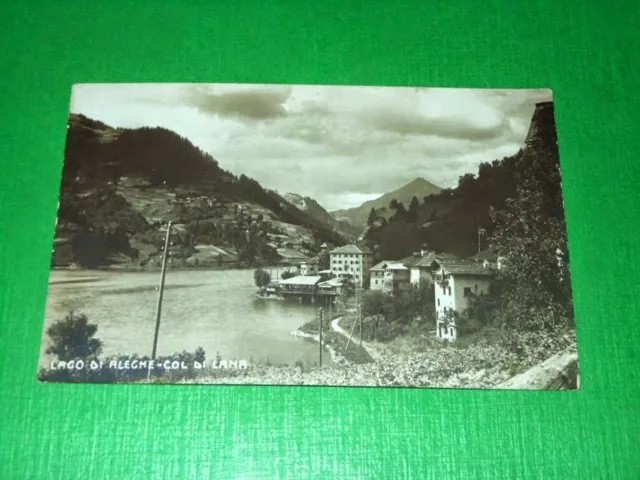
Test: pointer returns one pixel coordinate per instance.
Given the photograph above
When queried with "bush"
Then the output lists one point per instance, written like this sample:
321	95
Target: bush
287	274
72	338
261	278
374	327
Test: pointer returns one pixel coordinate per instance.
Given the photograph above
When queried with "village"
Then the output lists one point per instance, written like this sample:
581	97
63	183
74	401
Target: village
395	289
455	281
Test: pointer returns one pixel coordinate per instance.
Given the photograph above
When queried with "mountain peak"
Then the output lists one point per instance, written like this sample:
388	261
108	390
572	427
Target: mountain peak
420	181
419	188
296	200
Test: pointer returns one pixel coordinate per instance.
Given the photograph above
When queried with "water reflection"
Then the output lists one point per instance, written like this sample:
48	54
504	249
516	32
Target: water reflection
217	310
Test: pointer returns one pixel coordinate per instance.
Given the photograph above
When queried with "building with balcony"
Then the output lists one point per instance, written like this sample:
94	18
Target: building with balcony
377	275
351	262
420	265
396	278
456	282
390	276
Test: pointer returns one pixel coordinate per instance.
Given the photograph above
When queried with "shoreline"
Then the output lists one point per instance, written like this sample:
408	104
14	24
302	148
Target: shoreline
374	353
156	269
335	356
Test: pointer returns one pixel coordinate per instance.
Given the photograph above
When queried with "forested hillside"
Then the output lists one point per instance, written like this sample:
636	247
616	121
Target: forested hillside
513	207
121	186
459	220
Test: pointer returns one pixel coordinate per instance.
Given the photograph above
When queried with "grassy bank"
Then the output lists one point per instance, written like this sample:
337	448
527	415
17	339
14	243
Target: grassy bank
479	366
353	354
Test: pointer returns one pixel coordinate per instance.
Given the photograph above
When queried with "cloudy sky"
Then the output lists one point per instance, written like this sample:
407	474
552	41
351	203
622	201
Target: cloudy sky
339	145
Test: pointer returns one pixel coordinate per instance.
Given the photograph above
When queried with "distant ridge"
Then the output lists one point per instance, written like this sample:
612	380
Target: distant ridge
312	208
418	187
120	186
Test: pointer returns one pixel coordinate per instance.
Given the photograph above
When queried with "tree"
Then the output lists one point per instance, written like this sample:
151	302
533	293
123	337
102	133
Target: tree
466	185
261	278
323	260
373	312
373	303
90	248
400	213
348	288
412	214
72	338
421	303
287	274
530	234
400	239
373	217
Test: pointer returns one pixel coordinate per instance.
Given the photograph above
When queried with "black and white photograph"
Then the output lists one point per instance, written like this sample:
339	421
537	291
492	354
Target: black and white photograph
353	236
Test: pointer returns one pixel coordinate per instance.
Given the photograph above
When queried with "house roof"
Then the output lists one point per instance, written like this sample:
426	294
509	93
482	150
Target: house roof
411	260
301	280
351	249
389	265
364	249
463	267
396	266
380	266
486	254
334	282
424	260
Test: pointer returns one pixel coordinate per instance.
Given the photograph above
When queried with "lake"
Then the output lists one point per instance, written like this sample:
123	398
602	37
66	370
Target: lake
213	309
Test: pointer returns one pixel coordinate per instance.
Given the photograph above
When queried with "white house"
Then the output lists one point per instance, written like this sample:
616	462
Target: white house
309	267
420	265
389	276
457	281
352	262
396	277
377	276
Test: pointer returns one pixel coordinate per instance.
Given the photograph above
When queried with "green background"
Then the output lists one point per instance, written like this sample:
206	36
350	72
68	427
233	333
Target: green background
586	52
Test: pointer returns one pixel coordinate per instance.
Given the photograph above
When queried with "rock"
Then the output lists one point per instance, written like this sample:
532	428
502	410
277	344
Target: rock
559	372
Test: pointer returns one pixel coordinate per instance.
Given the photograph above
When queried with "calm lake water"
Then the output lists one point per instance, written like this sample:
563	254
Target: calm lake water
216	310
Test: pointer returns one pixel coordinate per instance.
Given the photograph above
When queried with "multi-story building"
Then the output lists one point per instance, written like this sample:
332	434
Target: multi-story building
420	265
351	262
309	267
390	276
377	275
457	281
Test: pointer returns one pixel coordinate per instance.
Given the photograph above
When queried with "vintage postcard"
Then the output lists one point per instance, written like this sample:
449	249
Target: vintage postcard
310	235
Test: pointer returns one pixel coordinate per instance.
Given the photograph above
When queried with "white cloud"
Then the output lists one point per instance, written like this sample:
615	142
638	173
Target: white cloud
339	145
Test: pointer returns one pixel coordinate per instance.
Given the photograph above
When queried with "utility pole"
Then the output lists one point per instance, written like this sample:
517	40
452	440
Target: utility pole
359	299
160	294
320	334
358	320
